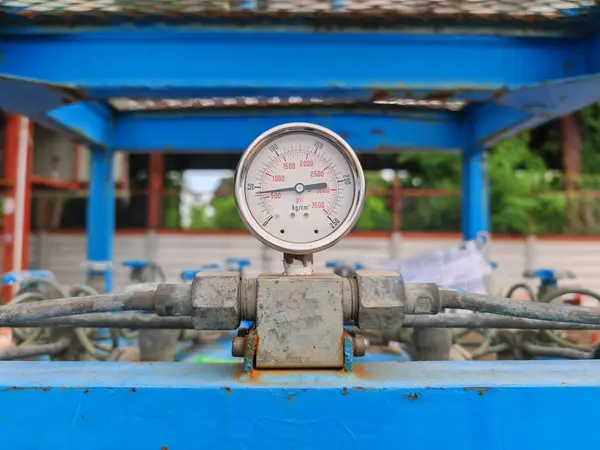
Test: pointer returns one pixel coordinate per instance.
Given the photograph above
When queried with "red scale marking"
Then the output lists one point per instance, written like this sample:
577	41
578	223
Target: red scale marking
325	211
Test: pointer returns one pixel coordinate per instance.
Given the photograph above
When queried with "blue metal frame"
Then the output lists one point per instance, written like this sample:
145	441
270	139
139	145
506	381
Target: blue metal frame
488	405
198	131
61	75
159	62
100	221
475	193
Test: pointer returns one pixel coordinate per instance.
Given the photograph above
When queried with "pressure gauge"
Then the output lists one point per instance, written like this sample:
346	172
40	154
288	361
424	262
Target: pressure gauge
299	188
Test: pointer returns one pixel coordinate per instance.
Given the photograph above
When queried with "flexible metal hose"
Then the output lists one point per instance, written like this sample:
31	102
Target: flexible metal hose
529	310
34	350
556	294
521	286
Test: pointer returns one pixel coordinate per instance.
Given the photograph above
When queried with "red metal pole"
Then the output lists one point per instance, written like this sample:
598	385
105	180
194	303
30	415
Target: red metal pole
156	168
18	156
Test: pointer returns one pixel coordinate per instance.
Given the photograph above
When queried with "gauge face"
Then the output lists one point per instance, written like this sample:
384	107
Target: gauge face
299	188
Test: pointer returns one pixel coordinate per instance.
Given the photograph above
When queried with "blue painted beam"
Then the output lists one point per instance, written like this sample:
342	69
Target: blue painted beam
182	63
91	122
555	98
492	406
491	123
232	132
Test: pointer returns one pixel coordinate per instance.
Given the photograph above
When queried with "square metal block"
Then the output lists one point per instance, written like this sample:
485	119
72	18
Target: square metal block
299	321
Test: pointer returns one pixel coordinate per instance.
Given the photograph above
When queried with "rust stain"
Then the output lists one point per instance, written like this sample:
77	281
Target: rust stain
440	95
33	388
480	390
86	391
497	95
226	389
360	370
413	396
291	397
164	447
344	391
82	416
380	95
132	389
377	131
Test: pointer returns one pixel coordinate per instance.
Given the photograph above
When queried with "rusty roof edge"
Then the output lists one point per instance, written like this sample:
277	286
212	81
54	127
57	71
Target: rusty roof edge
504	23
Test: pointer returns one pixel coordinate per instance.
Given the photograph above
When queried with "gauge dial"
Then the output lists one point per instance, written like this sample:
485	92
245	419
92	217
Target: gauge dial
299	188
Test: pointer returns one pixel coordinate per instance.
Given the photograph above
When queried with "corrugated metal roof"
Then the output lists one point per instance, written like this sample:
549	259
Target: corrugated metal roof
125	104
137	8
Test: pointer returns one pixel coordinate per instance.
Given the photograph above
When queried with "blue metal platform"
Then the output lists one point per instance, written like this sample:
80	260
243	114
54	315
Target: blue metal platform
484	405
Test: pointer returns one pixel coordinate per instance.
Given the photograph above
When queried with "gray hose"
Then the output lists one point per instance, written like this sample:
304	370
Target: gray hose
76	305
554	352
529	310
53	284
34	350
110	320
555	293
521	286
482	320
82	289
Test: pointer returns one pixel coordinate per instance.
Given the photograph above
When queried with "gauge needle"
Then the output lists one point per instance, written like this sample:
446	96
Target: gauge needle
299	188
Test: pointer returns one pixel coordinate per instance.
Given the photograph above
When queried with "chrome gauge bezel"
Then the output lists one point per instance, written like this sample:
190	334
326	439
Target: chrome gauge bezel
261	143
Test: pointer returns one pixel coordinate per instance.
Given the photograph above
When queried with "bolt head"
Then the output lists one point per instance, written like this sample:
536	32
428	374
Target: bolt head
238	347
359	346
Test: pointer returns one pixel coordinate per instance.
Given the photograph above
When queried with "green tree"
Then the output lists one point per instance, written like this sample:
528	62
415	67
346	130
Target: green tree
171	213
377	213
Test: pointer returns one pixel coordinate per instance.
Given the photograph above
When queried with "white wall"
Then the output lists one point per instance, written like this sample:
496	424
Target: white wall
64	253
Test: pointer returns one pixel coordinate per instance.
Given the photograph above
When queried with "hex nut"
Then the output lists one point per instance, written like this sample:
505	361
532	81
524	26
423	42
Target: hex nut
359	346
215	301
238	347
381	299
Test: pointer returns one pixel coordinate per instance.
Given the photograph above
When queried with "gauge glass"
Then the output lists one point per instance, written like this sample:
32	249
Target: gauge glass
299	188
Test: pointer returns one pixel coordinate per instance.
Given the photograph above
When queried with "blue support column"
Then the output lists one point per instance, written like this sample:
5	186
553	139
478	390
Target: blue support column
100	219
475	193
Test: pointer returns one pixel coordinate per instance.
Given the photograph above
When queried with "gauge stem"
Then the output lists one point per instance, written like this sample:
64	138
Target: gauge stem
298	264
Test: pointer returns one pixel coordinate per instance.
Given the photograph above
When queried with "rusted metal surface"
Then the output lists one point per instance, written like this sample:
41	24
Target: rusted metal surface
494	10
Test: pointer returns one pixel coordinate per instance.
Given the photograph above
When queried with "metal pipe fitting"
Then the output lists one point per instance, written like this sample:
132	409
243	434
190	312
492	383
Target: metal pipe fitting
350	299
422	298
173	299
248	294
